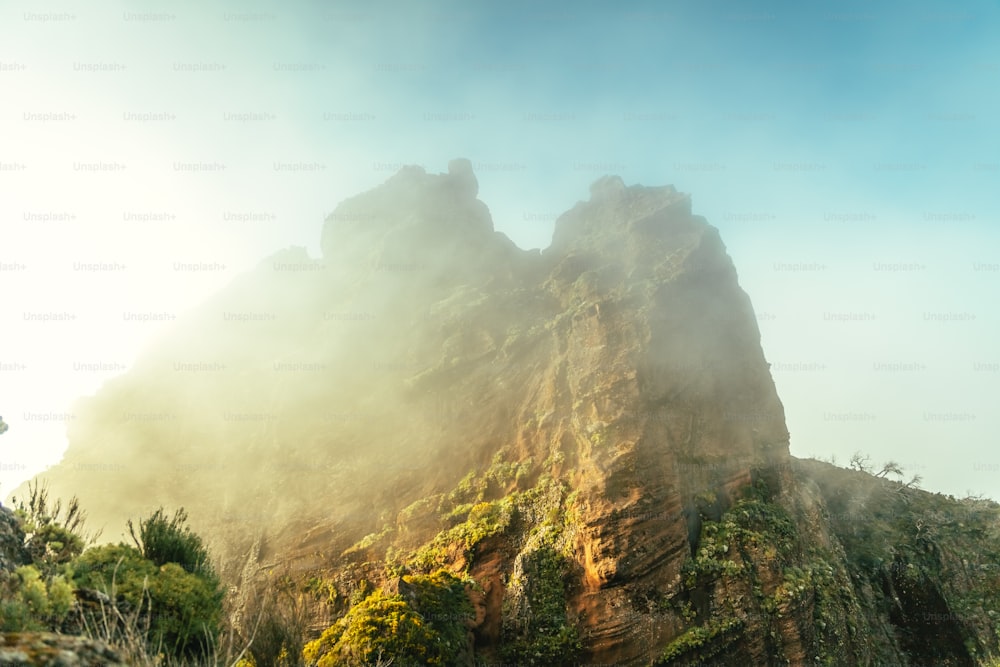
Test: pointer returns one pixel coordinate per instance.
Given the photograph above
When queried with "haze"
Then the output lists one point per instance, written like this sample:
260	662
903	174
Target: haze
850	156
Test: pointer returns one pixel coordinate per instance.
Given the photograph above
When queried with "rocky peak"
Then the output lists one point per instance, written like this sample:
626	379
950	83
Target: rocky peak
607	188
439	204
620	217
610	367
463	178
425	225
593	436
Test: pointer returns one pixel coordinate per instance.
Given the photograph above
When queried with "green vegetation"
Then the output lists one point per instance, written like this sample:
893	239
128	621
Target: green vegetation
178	603
502	472
757	559
467	491
798	583
755	540
420	508
424	623
753	525
536	628
940	555
485	519
369	541
535	625
54	534
163	541
39	595
35	602
161	598
704	640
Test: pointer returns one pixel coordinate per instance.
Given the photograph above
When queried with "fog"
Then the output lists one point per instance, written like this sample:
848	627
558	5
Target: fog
151	156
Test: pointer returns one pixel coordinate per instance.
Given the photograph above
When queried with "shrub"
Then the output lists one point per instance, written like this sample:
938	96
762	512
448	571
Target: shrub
537	629
15	616
181	610
467	491
163	540
424	624
379	627
186	612
114	569
53	532
700	638
34	602
442	601
485	520
32	591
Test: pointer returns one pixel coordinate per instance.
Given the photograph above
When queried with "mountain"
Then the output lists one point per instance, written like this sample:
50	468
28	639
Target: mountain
588	436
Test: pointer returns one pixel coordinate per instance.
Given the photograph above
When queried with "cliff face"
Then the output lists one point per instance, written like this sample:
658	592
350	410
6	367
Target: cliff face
590	435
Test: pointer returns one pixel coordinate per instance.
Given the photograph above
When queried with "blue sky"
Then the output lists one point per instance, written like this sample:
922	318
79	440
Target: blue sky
825	140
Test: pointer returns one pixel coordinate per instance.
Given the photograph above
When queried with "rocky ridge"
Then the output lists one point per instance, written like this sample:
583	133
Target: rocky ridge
590	435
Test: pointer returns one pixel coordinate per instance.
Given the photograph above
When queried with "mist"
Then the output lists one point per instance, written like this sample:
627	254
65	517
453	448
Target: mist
152	157
376	290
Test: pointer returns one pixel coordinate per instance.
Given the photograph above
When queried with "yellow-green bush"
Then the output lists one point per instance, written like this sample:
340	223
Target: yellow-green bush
701	638
379	627
34	602
485	520
423	624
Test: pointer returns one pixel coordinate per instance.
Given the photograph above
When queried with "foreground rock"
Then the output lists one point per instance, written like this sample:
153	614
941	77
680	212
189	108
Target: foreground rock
45	649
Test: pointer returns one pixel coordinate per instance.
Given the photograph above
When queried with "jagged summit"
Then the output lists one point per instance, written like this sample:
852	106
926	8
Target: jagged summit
431	224
460	170
416	215
645	219
607	187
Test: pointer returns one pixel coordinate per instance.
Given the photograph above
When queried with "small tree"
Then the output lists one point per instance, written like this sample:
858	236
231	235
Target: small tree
890	467
164	540
186	594
54	533
861	462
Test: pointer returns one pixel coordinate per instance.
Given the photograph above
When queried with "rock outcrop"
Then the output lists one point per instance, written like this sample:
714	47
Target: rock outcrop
12	551
46	649
590	434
